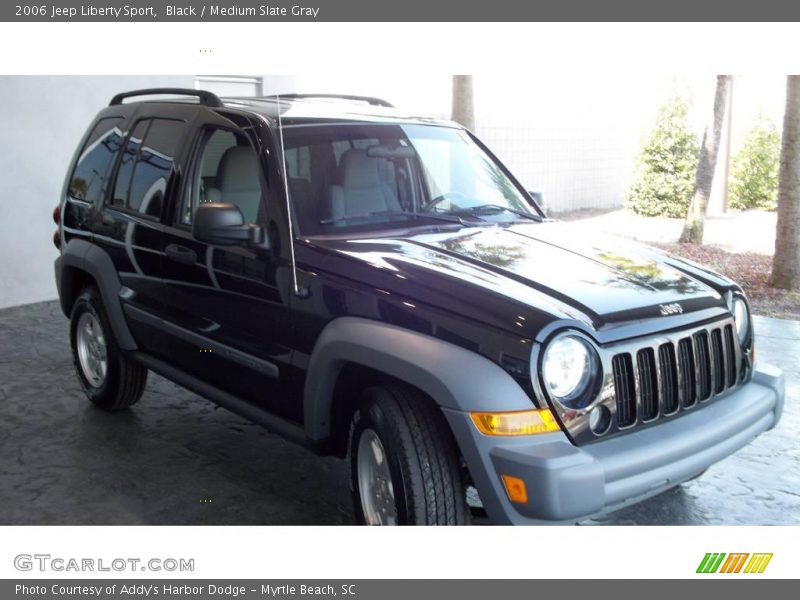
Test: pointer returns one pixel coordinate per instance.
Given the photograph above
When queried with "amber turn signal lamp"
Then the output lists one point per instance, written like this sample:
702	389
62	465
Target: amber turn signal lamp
525	422
515	488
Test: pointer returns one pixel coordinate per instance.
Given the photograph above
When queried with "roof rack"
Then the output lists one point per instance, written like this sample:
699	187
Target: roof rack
367	99
206	98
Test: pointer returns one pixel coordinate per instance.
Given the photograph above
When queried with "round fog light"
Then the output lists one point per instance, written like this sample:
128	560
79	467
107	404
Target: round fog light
599	420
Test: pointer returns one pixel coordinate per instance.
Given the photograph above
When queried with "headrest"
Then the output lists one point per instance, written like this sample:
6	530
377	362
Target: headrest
238	170
357	170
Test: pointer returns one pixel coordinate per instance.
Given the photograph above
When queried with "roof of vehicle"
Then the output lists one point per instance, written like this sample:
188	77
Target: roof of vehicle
293	108
296	110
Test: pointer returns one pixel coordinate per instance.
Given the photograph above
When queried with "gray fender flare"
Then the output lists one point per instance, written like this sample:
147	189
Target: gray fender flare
80	254
454	377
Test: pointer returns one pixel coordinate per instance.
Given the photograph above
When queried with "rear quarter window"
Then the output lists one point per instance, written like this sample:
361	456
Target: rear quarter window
146	166
90	177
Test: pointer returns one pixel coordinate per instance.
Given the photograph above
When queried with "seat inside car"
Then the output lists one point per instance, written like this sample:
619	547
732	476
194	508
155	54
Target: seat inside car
361	189
238	182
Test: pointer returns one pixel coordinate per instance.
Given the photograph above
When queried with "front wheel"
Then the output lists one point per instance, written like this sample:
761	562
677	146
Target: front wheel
404	462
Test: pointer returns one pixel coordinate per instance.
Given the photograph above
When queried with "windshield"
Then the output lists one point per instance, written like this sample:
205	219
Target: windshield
349	178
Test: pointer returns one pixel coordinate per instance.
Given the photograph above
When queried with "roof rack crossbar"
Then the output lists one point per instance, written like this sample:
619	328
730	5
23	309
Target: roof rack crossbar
367	99
206	98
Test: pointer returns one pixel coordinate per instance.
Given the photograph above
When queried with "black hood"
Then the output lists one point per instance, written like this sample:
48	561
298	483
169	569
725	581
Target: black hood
547	266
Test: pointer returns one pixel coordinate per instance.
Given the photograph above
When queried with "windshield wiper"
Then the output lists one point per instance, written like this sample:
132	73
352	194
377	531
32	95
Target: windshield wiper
450	218
493	208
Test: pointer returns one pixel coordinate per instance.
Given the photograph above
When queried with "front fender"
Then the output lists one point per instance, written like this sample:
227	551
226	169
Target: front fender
454	377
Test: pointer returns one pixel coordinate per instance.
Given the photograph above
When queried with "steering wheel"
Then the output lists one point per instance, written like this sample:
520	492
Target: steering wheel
439	199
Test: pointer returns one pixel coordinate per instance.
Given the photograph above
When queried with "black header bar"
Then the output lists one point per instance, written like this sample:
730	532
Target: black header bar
403	10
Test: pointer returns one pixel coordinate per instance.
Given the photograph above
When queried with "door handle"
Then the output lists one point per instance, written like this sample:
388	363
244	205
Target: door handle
181	254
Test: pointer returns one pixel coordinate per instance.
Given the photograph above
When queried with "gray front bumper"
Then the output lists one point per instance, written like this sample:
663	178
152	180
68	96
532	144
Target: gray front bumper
567	484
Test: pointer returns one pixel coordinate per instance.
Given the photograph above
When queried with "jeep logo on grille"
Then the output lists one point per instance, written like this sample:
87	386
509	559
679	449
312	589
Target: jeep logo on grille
670	309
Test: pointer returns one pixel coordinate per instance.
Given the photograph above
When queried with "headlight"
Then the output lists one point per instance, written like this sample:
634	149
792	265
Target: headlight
742	319
569	366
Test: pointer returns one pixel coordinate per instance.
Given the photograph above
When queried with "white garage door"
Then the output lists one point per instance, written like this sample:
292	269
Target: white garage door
223	85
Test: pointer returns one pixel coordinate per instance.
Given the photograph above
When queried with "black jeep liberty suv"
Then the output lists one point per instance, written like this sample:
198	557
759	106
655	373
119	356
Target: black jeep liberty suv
378	286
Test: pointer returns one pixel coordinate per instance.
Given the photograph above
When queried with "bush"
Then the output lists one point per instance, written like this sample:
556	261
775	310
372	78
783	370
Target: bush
666	166
754	172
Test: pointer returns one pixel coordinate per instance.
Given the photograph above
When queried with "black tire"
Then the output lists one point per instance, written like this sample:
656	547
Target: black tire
124	379
420	452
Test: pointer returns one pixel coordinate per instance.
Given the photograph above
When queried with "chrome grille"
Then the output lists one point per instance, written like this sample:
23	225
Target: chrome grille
669	378
686	372
703	366
730	349
660	379
624	383
648	383
719	360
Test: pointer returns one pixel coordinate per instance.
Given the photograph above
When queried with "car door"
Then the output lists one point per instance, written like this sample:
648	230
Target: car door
129	226
228	307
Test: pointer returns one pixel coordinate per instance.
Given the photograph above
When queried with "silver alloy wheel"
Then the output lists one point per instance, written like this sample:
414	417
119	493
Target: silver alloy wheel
92	354
375	481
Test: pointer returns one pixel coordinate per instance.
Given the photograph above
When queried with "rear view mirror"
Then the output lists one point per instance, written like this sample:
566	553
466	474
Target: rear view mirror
390	152
222	224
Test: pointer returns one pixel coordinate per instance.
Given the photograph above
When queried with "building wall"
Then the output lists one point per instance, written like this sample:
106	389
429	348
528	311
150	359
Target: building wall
573	170
576	138
42	120
572	136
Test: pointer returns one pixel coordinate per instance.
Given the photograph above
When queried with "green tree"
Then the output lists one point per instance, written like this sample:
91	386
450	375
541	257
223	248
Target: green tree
754	173
666	165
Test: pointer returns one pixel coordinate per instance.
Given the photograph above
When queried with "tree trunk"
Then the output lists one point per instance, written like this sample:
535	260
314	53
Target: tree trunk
695	216
786	262
463	109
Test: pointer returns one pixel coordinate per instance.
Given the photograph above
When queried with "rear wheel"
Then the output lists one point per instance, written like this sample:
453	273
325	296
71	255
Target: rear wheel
109	378
404	461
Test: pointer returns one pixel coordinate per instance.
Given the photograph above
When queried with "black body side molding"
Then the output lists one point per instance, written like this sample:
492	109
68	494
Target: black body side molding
287	429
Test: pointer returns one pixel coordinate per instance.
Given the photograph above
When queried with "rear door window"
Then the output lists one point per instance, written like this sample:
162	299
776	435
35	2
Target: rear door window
146	166
89	179
125	171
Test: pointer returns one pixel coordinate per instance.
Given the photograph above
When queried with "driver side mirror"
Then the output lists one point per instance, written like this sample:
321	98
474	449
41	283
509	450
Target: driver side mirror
538	198
222	224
